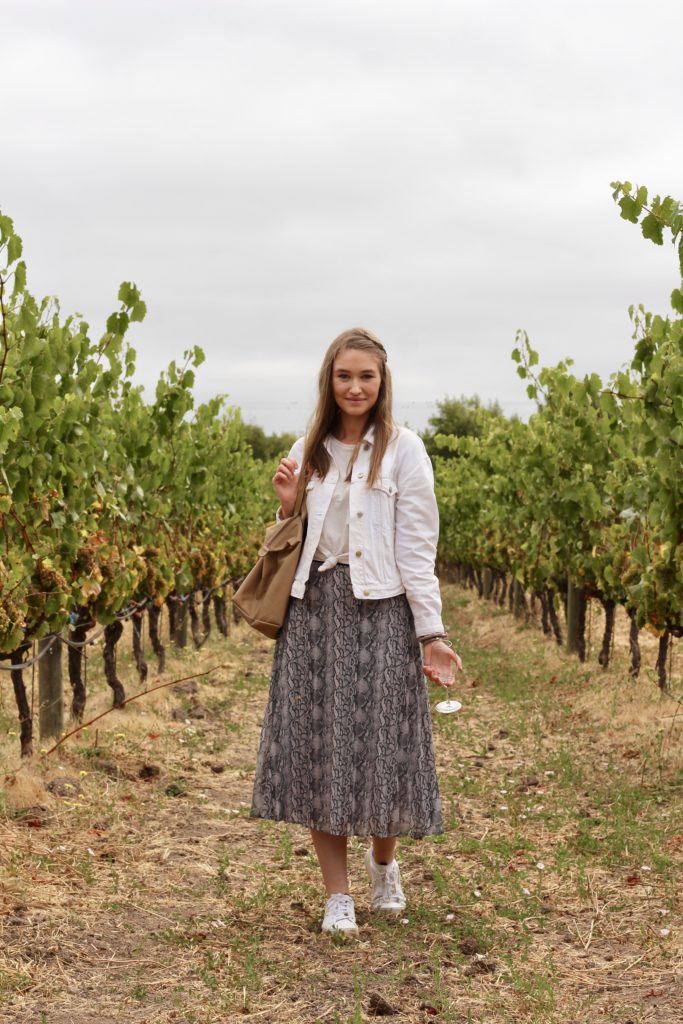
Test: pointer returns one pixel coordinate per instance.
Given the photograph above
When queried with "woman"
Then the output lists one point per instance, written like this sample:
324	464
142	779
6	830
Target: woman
346	746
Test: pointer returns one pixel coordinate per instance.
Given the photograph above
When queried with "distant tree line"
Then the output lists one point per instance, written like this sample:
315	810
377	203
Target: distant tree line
456	417
264	446
460	417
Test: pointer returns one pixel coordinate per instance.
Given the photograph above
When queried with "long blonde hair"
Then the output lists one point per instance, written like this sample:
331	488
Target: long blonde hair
326	415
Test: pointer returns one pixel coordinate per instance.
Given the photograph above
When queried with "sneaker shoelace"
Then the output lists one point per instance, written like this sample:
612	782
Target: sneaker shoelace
341	905
391	889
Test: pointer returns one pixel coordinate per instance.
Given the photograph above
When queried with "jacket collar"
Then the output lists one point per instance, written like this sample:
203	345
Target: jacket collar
368	436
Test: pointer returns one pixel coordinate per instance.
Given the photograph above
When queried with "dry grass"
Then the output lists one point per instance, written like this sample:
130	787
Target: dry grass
553	897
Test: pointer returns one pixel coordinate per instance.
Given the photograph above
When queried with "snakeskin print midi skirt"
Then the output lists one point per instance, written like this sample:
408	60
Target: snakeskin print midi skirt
346	743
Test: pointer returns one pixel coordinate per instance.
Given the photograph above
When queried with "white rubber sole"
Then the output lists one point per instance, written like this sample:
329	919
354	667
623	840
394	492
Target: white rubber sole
351	931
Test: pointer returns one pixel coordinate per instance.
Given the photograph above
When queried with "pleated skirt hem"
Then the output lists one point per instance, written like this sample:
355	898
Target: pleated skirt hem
365	830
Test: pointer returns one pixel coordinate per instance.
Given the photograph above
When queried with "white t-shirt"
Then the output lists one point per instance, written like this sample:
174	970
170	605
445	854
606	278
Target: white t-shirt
333	545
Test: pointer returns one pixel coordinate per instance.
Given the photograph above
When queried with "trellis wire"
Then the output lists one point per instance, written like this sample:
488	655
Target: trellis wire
71	643
118	618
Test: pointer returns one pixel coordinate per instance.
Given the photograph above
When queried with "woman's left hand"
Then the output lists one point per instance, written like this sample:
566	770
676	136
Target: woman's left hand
440	662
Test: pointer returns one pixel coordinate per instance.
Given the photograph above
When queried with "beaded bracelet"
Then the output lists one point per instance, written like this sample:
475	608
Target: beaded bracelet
430	639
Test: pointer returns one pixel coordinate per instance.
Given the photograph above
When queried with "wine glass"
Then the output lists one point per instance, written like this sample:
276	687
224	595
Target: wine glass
448	706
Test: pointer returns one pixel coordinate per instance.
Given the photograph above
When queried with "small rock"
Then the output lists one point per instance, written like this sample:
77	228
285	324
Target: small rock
301	851
198	711
531	780
503	734
179	714
175	789
478	762
481	966
379	1007
187	688
428	876
64	786
149	771
469	946
218	769
490	746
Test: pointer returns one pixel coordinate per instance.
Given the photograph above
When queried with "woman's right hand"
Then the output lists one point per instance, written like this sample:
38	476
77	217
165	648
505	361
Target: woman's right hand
285	483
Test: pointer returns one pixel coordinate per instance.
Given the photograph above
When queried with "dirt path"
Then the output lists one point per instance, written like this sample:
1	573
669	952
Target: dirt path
145	893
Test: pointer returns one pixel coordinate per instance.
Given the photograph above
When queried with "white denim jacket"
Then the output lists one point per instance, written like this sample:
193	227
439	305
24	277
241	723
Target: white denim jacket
393	527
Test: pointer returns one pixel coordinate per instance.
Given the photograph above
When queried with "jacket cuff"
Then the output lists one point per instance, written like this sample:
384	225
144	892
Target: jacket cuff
428	626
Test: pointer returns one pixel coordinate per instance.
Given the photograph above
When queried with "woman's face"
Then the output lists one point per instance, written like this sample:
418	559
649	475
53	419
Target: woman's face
356	380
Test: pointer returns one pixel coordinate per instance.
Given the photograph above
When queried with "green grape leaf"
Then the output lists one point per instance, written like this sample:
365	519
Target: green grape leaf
630	209
19	279
117	323
652	229
128	294
14	248
6	228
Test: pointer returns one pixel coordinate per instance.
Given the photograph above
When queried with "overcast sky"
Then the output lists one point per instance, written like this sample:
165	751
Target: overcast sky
271	172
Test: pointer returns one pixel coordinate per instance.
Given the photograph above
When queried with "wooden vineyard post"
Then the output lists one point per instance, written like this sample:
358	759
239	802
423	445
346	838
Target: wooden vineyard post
487	583
574	597
50	688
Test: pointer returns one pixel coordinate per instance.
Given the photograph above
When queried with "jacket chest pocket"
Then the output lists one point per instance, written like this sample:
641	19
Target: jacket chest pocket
382	502
314	500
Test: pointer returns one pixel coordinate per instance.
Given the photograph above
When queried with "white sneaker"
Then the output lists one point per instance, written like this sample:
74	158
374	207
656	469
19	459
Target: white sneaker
340	915
387	894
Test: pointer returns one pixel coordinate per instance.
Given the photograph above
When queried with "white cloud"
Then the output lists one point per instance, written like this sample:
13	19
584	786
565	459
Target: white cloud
271	173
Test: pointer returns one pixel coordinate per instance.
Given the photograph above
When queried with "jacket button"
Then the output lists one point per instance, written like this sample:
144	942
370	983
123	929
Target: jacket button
359	514
366	446
366	593
361	475
358	554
